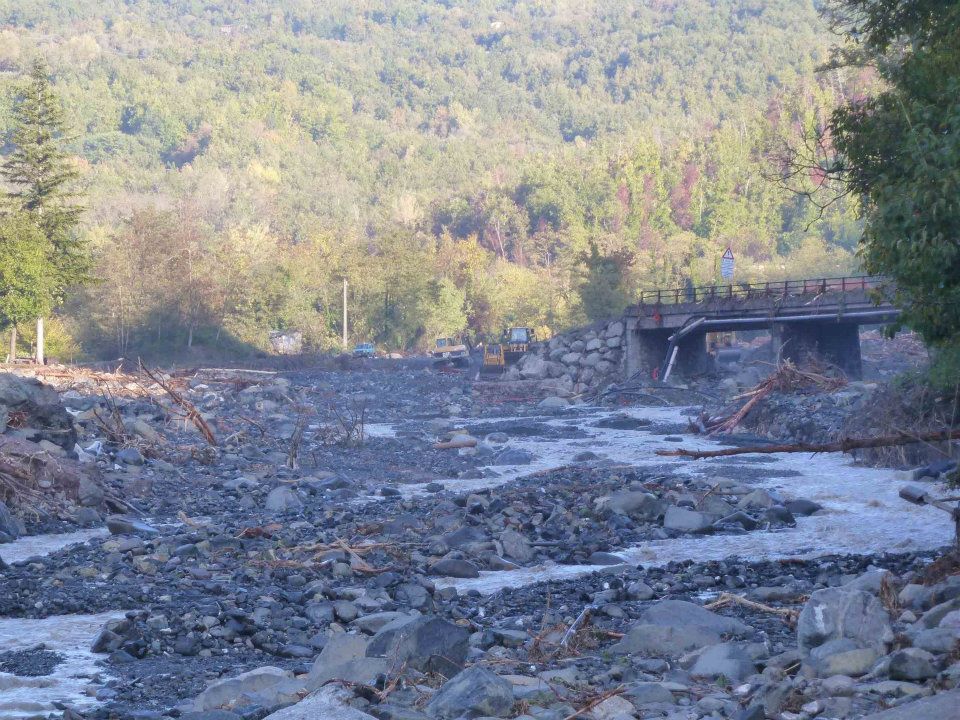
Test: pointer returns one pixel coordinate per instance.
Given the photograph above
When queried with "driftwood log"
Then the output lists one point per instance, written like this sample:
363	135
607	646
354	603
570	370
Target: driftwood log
843	445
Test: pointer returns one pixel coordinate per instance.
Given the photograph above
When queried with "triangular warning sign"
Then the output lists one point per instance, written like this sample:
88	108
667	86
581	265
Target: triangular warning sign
728	254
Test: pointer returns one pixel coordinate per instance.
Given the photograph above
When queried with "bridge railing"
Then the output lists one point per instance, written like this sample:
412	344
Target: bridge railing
749	291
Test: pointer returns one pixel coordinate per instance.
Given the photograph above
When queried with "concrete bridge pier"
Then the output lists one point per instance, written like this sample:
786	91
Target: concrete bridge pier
836	342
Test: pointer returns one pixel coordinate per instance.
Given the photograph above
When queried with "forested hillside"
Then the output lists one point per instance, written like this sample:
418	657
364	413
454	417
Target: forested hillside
465	164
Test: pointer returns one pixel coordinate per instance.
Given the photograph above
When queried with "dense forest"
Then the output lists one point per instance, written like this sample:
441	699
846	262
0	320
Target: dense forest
464	164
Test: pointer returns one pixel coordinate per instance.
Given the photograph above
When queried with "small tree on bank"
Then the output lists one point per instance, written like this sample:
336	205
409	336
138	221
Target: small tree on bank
26	287
41	181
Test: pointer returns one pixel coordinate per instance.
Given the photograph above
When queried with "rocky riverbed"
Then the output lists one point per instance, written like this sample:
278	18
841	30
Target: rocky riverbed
395	542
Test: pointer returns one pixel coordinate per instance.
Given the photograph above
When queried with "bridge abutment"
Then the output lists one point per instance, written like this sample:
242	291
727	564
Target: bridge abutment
647	350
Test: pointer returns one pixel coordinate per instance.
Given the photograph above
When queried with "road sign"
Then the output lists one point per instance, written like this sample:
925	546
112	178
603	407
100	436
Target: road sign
726	264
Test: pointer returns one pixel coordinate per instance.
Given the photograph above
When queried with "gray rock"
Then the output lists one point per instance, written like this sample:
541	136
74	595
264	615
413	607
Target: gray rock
516	546
9	526
932	617
328	702
282	499
475	692
614	329
758	499
591	360
264	682
533	368
842	657
645	693
130	456
373	623
939	707
915	597
639	591
124	525
671	628
594	344
937	640
634	503
730	660
870	581
688	521
912	664
344	657
803	507
836	613
453	567
425	643
89	493
39	407
604	558
680	613
554	403
513	456
465	535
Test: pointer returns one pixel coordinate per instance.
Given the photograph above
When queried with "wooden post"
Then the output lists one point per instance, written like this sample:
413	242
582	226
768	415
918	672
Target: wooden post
39	341
13	343
344	313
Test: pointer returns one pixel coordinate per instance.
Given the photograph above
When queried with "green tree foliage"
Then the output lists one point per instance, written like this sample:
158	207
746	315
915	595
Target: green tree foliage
900	152
41	179
603	292
26	287
454	161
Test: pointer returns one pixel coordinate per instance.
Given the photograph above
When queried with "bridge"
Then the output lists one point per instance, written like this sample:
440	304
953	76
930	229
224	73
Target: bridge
666	331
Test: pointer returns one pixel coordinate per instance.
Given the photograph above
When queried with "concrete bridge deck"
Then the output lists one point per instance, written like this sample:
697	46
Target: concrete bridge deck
819	316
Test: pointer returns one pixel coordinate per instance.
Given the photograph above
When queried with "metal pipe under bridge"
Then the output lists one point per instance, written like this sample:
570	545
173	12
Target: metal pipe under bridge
821	316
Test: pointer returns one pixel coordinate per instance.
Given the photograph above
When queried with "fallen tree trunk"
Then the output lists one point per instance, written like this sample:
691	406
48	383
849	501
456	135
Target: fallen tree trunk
844	445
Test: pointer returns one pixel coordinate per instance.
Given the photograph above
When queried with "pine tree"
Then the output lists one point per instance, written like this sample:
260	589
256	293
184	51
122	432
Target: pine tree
41	182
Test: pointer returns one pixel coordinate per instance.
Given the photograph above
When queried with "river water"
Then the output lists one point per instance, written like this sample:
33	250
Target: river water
862	515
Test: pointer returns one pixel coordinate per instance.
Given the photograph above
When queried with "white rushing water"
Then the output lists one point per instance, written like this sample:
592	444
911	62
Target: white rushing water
39	545
69	636
862	512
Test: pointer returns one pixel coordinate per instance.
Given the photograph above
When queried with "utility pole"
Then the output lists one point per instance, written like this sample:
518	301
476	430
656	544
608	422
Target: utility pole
344	313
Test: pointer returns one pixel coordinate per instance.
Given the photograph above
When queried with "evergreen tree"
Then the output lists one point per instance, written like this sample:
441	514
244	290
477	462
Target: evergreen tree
41	179
603	293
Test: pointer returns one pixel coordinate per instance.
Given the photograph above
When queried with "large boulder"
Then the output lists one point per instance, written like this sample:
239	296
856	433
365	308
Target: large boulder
729	660
533	368
265	686
475	692
837	613
344	657
671	628
29	404
687	521
424	643
634	503
516	546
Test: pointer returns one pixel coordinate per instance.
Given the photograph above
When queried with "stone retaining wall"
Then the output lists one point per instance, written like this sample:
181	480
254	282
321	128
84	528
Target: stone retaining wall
576	361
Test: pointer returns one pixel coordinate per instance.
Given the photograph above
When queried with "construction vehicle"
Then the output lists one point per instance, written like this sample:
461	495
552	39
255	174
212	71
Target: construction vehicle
516	342
497	357
493	359
450	351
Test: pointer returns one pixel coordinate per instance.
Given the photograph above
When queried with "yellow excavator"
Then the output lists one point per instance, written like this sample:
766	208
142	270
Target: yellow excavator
497	357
